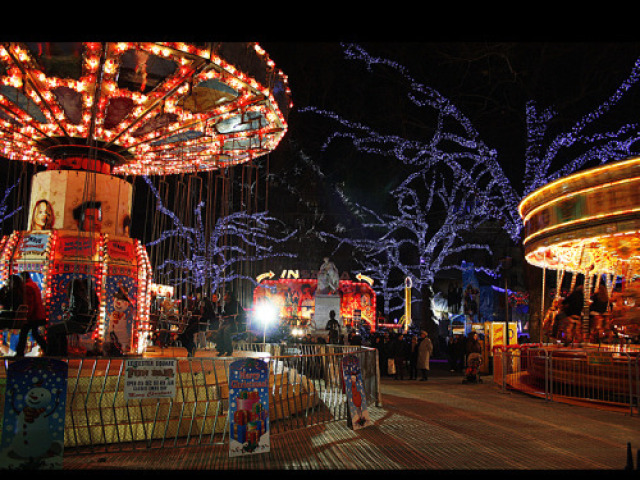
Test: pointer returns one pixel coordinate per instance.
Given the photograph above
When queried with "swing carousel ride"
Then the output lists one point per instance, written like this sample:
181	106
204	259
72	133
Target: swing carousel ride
588	224
93	116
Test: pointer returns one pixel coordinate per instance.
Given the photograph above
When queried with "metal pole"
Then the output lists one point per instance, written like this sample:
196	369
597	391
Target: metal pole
506	312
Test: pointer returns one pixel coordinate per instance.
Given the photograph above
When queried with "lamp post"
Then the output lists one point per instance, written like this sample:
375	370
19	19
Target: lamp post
506	266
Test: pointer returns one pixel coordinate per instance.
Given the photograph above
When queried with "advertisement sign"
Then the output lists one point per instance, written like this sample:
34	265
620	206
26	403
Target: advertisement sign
33	246
150	378
61	279
34	414
248	407
357	412
72	199
497	334
77	246
121	251
297	298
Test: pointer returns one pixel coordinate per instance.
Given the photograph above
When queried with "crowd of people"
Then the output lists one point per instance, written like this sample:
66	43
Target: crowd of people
22	290
219	318
410	354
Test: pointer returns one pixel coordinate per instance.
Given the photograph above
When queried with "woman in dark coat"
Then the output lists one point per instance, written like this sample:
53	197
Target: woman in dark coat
413	358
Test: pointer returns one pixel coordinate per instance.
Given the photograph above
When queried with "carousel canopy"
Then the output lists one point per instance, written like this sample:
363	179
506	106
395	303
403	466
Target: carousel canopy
140	107
588	222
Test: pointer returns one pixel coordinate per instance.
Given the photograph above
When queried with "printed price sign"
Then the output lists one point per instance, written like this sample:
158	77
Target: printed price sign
150	378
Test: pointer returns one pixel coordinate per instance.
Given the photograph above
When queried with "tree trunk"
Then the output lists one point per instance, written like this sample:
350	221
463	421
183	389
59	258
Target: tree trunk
427	321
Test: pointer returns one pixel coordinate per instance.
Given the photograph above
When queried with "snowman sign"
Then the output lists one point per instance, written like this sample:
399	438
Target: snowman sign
34	414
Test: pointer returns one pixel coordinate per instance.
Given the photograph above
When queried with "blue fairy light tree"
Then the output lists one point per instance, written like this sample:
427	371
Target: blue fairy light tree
5	210
549	157
211	257
454	145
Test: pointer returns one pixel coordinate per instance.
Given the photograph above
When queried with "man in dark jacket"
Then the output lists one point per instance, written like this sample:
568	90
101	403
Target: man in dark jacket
333	326
232	316
400	350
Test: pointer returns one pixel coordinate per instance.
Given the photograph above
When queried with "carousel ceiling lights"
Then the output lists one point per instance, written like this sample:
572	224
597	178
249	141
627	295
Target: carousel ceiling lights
144	108
586	222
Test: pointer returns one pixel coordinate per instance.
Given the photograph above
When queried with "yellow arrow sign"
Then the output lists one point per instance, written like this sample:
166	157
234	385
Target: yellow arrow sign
262	276
361	277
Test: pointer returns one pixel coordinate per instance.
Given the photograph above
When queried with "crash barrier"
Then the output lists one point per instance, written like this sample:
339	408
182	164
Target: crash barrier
305	384
590	374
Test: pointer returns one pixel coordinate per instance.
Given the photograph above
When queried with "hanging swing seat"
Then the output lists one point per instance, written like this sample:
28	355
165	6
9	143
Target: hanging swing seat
13	319
80	323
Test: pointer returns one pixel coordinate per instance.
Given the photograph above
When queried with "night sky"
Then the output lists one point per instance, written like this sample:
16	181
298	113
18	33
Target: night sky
490	82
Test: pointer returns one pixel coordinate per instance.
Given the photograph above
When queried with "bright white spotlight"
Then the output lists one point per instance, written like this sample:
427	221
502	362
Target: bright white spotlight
265	313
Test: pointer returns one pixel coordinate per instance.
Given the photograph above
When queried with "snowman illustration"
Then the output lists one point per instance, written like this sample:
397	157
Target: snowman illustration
119	332
32	435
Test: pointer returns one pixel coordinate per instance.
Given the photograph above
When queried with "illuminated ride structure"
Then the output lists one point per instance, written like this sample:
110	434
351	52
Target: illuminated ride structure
94	116
589	223
298	304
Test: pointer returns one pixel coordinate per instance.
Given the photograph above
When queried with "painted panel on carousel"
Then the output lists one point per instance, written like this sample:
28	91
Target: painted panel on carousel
120	291
61	279
121	250
70	246
67	199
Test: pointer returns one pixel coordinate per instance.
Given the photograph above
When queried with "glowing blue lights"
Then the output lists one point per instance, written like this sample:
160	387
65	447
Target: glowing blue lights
210	257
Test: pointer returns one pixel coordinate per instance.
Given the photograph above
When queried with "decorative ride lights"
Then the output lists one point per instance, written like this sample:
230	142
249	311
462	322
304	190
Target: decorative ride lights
143	108
587	223
90	112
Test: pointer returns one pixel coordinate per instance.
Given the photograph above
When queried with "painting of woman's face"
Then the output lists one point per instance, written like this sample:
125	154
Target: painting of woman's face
42	216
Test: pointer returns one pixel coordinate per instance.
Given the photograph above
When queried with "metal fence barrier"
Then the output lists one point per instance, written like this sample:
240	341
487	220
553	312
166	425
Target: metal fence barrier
305	383
606	374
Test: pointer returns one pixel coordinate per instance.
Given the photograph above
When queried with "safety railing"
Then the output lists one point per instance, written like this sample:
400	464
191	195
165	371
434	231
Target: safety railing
607	374
305	384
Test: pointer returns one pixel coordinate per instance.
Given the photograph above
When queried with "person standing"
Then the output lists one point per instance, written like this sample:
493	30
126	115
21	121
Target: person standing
459	352
333	327
400	353
413	358
12	294
573	306
452	353
35	315
231	317
473	344
425	349
451	298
